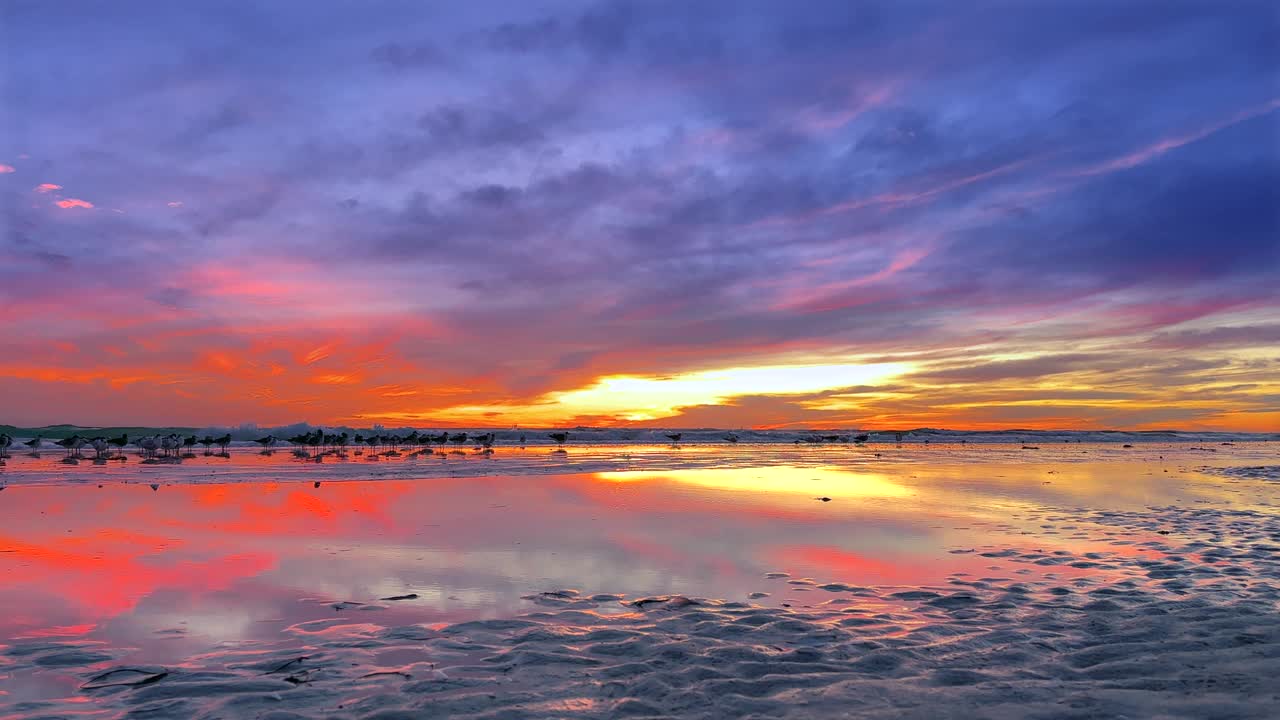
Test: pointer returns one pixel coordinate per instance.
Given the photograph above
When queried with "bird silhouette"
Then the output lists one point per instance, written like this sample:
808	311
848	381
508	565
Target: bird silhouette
559	437
675	437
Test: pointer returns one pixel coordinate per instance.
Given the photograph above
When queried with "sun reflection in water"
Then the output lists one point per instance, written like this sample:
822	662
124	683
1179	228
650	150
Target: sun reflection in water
780	479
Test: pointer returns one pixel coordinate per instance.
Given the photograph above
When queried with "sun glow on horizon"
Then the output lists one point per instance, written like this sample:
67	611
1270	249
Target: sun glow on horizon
649	398
634	398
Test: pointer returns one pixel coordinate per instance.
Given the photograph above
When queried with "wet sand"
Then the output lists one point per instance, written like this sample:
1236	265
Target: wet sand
930	583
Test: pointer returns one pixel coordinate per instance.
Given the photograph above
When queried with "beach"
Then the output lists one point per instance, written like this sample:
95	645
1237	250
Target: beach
1078	579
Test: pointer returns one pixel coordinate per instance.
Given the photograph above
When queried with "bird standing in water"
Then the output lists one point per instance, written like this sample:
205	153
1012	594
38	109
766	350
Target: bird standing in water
71	444
559	437
34	445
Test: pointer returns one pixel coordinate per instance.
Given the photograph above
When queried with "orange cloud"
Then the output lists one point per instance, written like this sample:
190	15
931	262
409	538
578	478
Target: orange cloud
73	203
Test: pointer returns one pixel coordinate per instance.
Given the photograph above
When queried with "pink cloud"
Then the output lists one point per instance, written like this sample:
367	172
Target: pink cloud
819	119
1161	147
845	293
902	197
47	187
73	203
6	169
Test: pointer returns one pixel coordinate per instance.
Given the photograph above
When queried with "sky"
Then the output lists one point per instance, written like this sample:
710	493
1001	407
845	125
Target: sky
1033	214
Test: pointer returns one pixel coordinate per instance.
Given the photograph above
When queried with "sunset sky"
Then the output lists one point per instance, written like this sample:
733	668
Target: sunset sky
770	214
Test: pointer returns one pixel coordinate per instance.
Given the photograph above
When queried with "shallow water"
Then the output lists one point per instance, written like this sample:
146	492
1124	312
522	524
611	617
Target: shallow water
215	558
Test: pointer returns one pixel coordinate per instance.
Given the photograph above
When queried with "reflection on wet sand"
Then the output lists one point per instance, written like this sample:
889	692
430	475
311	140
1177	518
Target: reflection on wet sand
775	480
179	570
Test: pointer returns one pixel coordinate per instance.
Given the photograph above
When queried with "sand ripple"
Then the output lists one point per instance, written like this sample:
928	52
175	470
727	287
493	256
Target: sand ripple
1184	622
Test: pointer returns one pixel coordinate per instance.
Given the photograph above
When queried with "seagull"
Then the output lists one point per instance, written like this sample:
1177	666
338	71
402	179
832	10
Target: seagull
223	442
71	444
169	443
5	442
731	437
189	442
267	441
485	440
34	444
458	439
559	437
148	446
207	442
99	445
675	437
861	438
120	442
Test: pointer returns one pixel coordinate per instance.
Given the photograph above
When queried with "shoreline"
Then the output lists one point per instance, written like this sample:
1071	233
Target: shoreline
243	464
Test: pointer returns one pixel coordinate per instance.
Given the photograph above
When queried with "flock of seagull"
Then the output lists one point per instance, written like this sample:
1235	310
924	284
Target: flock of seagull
103	447
174	445
317	441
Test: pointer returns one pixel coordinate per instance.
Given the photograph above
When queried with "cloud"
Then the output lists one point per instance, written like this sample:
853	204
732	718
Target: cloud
47	187
1022	202
402	57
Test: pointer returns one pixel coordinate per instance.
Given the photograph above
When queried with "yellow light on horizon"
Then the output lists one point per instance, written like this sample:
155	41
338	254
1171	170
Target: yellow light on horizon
637	398
647	398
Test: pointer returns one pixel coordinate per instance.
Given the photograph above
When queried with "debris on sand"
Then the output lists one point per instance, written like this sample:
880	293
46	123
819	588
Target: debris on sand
125	677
